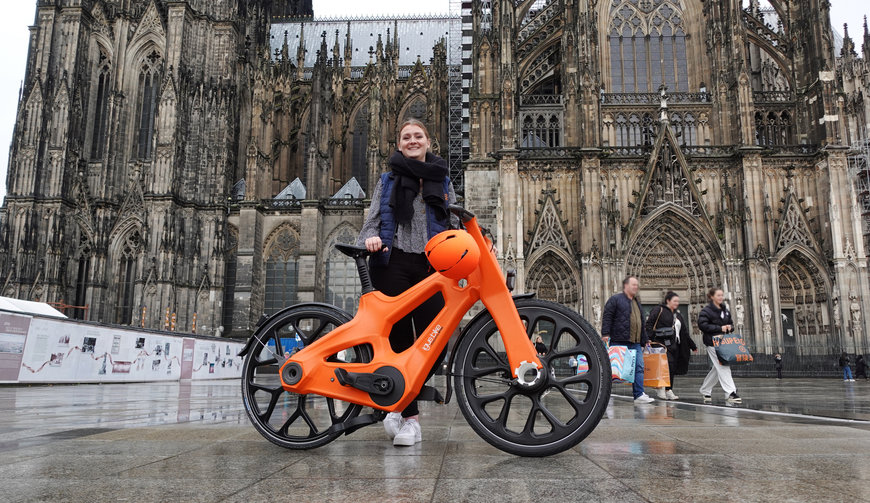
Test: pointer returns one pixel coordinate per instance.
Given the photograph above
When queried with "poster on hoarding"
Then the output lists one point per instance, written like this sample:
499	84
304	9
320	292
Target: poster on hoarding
13	335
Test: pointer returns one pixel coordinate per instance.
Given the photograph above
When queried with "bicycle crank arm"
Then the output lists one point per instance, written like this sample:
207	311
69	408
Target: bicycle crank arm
376	384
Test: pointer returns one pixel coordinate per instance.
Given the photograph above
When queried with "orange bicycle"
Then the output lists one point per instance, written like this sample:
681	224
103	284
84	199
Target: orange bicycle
515	400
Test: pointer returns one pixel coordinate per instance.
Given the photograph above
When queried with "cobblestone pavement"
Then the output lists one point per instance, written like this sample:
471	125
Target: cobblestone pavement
791	440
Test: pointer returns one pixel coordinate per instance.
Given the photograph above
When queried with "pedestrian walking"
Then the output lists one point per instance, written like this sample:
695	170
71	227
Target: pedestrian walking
666	326
409	207
860	367
715	319
622	322
540	347
573	364
847	370
777	364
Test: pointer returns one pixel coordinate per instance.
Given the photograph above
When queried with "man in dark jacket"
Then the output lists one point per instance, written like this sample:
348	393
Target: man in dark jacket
622	322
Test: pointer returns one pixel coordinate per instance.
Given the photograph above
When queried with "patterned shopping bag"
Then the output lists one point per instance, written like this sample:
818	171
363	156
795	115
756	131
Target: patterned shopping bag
582	364
622	361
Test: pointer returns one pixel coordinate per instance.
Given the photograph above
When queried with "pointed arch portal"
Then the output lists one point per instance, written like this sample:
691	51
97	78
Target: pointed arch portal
670	252
804	312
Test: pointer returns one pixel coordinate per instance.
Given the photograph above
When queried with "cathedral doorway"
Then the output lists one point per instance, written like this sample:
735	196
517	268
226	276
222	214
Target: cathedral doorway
803	303
670	252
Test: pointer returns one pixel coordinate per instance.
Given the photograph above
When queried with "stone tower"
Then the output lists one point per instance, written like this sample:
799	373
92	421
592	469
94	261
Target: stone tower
693	144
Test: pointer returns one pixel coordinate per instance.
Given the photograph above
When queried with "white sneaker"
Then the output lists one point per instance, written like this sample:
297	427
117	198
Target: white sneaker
660	392
671	396
393	423
410	433
644	399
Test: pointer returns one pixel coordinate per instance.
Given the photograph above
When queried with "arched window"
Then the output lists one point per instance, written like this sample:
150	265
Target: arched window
541	130
146	104
101	107
551	278
282	272
359	166
129	254
417	110
342	279
647	44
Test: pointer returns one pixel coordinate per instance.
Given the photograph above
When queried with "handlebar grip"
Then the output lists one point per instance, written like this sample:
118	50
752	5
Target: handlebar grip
464	215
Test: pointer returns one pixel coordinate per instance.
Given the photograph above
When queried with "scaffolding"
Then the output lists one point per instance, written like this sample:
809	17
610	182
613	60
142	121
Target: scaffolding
859	170
457	97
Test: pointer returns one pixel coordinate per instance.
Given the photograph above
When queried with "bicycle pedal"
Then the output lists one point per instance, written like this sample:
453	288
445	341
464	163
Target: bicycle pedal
430	394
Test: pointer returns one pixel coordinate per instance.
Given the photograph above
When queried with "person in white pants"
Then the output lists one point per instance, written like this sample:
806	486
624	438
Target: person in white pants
715	319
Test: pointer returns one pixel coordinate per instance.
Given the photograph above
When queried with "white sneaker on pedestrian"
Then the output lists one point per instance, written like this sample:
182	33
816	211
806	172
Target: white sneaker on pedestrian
644	399
410	433
660	392
393	423
707	398
671	396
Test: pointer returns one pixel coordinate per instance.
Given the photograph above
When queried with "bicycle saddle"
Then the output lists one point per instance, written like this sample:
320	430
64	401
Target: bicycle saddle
352	251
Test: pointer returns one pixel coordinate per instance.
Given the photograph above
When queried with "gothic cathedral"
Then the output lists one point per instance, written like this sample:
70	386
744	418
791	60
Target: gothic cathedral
190	164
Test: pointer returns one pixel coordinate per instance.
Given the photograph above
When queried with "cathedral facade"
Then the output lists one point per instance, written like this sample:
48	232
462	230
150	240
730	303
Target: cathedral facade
194	162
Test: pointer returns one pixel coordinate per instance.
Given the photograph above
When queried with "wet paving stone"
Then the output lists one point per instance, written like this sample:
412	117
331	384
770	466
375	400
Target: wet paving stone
791	440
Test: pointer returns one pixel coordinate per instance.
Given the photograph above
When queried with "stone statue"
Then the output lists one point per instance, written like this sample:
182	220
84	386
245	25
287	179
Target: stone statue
738	312
765	316
596	312
837	319
855	310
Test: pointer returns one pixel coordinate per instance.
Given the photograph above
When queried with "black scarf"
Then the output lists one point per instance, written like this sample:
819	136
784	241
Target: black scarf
408	173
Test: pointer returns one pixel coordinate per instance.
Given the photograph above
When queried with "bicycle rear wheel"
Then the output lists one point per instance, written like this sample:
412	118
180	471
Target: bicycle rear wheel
551	417
289	419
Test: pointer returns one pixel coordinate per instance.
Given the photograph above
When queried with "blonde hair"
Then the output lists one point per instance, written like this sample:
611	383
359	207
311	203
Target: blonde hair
412	122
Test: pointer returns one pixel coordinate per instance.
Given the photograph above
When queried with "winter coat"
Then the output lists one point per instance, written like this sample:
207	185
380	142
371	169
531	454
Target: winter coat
616	320
844	361
678	352
711	320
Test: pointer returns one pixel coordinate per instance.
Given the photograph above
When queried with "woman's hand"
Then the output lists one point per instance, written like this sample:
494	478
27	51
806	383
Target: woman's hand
374	244
727	329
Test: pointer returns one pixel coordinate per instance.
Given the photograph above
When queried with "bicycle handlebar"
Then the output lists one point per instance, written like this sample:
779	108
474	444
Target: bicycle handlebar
464	215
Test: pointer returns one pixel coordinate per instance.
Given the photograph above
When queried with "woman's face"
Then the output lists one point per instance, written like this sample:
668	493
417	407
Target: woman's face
674	303
538	339
718	297
413	142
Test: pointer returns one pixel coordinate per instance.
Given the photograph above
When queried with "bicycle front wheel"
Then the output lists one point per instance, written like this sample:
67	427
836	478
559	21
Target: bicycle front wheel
546	419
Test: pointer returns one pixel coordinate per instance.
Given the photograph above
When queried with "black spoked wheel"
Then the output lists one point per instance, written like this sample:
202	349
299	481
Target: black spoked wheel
289	419
550	417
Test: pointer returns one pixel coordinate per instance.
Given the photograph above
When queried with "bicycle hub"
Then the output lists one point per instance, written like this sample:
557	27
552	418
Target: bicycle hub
526	370
291	373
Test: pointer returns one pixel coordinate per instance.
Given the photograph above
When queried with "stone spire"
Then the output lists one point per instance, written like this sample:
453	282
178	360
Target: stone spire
848	46
865	48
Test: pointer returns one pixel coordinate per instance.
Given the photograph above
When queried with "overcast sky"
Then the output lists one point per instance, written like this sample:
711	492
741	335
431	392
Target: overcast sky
18	15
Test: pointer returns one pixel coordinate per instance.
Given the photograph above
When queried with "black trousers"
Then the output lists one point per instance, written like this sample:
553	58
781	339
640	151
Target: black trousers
404	271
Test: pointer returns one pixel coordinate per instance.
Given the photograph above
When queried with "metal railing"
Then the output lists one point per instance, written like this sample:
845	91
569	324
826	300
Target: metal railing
541	99
653	98
773	96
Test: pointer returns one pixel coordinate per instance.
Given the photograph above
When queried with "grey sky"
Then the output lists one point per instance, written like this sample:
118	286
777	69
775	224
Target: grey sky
18	16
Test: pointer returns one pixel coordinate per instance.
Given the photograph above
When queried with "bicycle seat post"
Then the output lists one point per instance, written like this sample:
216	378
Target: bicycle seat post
365	278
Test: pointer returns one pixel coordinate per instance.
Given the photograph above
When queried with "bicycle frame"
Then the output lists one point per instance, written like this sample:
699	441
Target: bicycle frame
378	312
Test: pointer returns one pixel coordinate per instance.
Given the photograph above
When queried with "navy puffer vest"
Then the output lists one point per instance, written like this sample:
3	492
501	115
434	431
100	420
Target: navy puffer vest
388	219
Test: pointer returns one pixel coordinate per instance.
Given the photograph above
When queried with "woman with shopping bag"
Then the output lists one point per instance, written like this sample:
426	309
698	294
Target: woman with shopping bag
666	326
715	320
